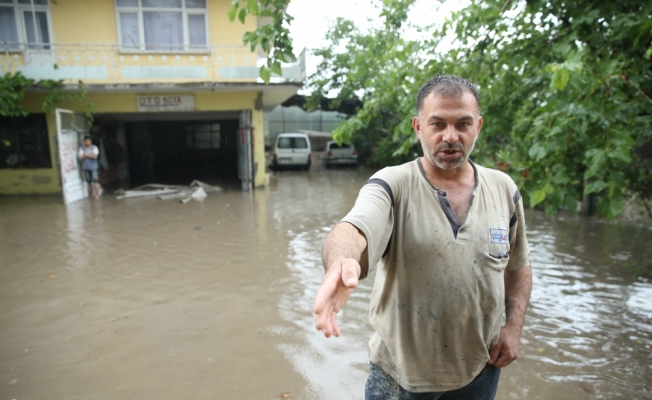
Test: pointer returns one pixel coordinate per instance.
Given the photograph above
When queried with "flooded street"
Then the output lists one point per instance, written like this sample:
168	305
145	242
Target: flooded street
151	299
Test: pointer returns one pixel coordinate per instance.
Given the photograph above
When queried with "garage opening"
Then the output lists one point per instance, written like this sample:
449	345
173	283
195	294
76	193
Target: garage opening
168	148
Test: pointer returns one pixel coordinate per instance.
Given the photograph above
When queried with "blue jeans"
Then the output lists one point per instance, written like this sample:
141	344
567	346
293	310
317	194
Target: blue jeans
381	386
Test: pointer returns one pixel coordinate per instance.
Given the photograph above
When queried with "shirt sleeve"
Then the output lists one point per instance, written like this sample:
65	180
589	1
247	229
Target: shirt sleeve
374	216
519	254
80	153
95	150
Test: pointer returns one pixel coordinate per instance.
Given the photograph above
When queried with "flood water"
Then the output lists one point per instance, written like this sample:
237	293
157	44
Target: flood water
151	299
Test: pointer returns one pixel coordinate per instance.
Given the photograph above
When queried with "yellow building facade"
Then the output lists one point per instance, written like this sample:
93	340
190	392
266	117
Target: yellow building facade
175	95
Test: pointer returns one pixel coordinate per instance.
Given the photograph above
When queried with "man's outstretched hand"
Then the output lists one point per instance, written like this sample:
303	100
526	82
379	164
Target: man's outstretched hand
336	286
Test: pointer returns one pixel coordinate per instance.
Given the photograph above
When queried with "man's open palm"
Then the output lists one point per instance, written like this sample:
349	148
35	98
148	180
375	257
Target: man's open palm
336	286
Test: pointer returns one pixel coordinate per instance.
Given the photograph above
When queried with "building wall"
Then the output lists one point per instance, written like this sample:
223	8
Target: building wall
85	34
98	19
46	180
37	180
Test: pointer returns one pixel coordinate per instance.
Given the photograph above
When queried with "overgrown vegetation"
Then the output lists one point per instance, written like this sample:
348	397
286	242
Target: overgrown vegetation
566	90
13	87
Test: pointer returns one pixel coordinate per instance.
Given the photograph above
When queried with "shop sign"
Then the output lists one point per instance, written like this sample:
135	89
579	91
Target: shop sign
166	102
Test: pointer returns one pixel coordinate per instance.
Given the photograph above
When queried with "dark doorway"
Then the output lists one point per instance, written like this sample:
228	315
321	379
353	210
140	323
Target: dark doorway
177	152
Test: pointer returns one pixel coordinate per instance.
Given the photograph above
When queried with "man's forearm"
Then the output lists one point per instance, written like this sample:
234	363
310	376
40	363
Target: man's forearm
518	285
345	241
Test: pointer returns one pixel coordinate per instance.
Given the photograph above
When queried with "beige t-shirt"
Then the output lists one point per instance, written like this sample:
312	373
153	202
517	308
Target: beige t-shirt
438	300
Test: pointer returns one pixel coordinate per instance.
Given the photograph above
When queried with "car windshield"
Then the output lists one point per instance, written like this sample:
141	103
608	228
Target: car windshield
342	146
292	143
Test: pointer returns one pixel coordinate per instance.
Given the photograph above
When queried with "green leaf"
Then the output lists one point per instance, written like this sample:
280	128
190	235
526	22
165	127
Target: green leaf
232	13
265	73
537	197
560	79
276	68
537	151
570	203
610	207
242	15
596	164
561	178
595	187
252	7
621	154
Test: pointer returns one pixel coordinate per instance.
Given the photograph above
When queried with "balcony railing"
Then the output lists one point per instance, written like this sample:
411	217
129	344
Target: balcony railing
111	63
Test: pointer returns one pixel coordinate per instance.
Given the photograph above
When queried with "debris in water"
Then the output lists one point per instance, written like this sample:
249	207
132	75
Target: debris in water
50	276
286	395
566	354
196	190
540	349
13	382
525	341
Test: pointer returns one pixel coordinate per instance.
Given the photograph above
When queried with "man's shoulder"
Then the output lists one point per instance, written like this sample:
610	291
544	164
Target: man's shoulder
494	175
397	173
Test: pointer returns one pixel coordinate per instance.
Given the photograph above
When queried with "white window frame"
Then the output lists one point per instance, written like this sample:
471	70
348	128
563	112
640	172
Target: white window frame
142	46
19	10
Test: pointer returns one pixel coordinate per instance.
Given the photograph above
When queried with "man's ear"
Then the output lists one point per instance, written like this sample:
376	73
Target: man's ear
480	121
416	125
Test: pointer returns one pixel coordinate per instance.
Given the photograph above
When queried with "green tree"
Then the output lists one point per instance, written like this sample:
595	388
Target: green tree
565	88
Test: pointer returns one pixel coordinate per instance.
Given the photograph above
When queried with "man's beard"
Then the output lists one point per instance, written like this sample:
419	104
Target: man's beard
446	164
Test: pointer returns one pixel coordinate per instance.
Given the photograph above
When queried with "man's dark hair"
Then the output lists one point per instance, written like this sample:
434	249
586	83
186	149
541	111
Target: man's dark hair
87	138
447	85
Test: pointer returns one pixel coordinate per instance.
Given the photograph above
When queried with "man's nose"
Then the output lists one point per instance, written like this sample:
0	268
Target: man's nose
450	134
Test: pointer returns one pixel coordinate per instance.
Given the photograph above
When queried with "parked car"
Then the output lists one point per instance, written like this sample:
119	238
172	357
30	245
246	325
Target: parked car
291	150
336	154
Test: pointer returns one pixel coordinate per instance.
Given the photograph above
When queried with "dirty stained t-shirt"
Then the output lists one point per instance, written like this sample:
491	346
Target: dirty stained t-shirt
438	300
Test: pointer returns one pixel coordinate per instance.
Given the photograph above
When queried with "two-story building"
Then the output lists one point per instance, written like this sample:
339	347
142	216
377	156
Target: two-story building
175	94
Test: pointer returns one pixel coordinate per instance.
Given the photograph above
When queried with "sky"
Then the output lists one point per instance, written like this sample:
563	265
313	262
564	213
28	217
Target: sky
313	18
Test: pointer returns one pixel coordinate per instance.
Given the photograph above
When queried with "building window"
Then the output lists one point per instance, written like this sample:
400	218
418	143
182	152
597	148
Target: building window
24	24
162	25
203	136
24	142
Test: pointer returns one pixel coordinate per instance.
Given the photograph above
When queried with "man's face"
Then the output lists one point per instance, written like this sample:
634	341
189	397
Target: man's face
448	127
88	142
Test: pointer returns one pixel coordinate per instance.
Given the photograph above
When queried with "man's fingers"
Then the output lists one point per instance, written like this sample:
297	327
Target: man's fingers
350	273
495	352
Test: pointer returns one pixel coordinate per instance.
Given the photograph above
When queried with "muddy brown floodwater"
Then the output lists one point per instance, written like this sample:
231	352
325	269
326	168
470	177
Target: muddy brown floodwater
151	299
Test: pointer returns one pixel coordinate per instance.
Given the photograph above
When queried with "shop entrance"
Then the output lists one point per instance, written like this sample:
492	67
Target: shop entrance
172	148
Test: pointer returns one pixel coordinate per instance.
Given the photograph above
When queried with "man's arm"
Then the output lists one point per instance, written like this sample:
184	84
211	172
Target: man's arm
518	285
94	154
345	241
345	256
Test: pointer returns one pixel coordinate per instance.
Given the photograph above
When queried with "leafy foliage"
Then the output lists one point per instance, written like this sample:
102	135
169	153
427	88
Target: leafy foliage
273	38
12	91
14	86
565	88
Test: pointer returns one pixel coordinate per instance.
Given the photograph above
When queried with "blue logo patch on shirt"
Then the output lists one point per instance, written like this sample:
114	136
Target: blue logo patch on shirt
498	235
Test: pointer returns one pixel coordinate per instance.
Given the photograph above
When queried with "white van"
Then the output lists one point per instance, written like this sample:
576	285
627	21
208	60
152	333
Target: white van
291	150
